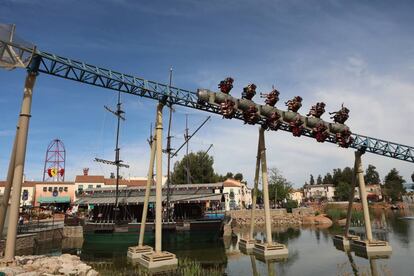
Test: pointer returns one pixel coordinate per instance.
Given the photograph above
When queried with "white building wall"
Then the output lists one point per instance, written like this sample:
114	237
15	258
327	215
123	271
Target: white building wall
30	198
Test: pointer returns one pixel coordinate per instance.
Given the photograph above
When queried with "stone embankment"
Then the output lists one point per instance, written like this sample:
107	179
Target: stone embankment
278	217
65	264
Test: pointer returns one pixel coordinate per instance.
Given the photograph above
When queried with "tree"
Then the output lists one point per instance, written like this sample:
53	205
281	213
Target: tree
229	175
327	179
312	180
279	186
343	190
200	167
259	195
371	175
346	175
238	176
393	185
319	179
336	176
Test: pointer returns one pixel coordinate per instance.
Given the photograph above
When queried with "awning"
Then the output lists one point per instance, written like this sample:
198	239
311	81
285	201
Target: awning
53	199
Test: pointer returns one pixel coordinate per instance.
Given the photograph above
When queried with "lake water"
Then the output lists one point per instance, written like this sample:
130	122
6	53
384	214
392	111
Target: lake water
311	251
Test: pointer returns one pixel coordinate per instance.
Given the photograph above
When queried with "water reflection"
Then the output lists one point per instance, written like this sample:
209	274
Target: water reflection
311	250
373	266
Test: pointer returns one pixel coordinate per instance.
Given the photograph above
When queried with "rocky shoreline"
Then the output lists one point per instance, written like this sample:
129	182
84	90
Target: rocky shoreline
64	264
278	217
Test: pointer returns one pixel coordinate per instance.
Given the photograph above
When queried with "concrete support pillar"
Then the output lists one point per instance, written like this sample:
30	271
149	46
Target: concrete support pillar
256	186
363	194
19	165
351	200
158	193
147	191
265	187
7	189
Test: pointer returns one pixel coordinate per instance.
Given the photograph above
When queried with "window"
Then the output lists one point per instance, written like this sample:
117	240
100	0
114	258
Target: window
44	189
98	186
65	189
55	188
60	189
90	186
80	189
50	189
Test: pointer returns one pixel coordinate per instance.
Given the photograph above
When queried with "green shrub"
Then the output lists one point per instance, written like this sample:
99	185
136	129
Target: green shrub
189	267
290	204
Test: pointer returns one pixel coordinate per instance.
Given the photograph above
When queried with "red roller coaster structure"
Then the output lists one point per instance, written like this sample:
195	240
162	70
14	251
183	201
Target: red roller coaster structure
54	169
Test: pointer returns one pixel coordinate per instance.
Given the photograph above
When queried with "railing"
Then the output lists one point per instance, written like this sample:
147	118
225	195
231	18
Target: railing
37	226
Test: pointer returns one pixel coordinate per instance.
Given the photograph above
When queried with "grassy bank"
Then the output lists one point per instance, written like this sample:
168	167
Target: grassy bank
336	213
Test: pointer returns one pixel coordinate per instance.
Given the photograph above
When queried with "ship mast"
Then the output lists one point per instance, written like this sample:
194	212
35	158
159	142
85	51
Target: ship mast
168	150
118	162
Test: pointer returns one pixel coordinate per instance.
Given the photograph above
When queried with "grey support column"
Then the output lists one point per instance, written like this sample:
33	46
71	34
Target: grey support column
147	192
21	144
363	194
351	200
7	188
256	186
265	188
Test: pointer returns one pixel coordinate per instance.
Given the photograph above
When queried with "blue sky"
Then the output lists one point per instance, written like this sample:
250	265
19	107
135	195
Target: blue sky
357	52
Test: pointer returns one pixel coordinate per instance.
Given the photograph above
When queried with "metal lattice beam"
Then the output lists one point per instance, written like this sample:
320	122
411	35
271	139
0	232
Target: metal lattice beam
89	74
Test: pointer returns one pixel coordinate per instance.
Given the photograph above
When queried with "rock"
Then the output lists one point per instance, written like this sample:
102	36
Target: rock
11	271
32	273
65	264
321	219
92	273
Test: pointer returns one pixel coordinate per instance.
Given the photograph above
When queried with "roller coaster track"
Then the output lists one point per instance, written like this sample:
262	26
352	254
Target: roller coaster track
66	68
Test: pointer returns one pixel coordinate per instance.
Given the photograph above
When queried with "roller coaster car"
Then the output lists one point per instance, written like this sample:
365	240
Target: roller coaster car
228	108
296	126
249	91
273	122
320	132
226	85
272	98
294	104
340	116
251	116
344	138
317	110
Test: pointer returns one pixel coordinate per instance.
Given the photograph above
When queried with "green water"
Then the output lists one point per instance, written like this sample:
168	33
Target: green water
311	251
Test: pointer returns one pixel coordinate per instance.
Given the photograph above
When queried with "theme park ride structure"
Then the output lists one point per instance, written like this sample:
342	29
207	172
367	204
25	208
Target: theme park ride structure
55	160
15	53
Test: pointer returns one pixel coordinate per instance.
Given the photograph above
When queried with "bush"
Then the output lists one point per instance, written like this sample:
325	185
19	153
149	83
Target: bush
357	216
189	267
290	204
335	213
